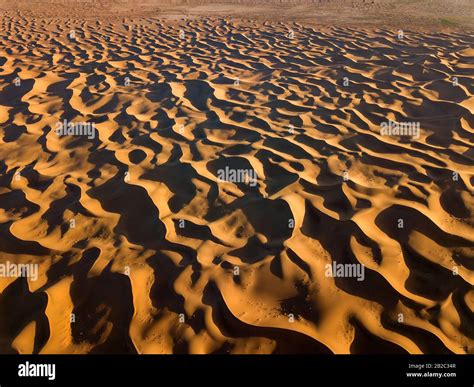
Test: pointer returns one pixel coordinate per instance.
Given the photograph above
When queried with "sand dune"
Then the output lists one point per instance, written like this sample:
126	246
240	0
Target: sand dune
422	15
141	247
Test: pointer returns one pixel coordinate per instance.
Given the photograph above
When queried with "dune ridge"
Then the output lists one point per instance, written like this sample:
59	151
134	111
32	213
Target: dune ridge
138	241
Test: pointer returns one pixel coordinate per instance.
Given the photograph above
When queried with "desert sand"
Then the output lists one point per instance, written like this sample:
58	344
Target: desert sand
142	248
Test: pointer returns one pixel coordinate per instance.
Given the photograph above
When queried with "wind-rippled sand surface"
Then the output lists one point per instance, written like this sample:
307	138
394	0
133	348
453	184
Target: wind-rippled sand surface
150	265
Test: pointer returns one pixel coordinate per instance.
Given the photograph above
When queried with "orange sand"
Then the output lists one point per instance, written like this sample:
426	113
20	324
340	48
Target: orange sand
150	265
